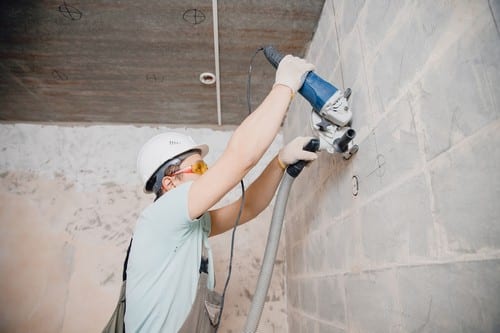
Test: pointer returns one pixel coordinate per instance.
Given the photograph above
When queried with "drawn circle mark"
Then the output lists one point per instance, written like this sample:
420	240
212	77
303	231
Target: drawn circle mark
355	186
70	12
194	16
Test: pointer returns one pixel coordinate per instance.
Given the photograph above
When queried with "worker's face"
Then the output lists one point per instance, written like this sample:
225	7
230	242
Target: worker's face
198	167
170	182
193	165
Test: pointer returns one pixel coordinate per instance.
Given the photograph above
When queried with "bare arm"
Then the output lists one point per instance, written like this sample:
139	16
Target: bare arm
250	140
261	192
247	145
257	198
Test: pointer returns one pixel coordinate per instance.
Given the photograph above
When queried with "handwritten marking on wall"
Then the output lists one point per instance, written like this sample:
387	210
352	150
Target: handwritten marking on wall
355	186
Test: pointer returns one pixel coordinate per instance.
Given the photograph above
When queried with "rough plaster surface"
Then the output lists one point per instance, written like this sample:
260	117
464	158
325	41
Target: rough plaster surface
418	248
69	199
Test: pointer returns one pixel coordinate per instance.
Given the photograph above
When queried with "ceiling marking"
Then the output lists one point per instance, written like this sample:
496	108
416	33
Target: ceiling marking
58	75
70	12
194	16
156	78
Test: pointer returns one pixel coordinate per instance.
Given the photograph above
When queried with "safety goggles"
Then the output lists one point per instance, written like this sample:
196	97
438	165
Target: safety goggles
198	167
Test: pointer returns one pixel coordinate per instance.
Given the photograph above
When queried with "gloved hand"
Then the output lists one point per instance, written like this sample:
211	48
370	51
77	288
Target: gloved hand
294	151
292	72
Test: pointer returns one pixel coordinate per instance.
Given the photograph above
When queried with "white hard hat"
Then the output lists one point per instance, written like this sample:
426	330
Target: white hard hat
162	148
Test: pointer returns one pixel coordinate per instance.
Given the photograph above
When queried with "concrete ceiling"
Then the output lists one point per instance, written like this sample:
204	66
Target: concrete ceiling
139	61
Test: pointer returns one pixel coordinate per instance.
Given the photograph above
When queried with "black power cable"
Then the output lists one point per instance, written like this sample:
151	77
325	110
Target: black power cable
249	81
242	204
232	252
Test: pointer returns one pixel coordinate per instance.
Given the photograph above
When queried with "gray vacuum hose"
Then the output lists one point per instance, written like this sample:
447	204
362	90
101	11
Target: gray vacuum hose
273	240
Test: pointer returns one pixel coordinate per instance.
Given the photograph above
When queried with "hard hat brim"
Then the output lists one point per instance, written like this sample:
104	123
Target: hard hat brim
203	152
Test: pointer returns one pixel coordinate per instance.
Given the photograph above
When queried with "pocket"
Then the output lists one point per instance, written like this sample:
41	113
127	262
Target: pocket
213	306
204	315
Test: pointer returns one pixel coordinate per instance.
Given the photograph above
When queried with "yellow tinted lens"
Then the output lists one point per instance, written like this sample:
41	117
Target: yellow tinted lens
199	167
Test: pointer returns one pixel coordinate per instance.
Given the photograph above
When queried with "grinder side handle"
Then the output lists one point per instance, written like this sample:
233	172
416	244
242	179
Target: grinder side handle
295	169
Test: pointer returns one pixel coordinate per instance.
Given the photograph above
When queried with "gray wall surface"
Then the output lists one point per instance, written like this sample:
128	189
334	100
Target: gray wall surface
418	248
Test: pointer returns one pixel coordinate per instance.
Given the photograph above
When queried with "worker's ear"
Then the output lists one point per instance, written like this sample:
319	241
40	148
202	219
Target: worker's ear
167	183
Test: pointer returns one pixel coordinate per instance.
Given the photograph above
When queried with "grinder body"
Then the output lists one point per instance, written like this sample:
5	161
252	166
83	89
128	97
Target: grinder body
332	116
326	99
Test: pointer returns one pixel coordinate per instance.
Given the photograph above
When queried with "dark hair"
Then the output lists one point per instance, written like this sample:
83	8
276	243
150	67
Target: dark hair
166	169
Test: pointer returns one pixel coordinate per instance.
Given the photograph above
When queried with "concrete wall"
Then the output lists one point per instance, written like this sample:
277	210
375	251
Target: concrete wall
418	248
69	199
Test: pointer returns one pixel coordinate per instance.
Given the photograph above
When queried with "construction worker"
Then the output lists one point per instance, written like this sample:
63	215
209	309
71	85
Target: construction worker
164	263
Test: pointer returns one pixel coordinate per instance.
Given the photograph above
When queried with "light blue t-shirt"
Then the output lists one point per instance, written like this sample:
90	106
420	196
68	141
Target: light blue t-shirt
164	262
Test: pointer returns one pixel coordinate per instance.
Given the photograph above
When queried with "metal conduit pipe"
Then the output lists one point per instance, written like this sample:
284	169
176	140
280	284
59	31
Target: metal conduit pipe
216	56
273	239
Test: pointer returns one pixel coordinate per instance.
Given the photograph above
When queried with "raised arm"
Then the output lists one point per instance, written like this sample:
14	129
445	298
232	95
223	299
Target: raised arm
250	140
260	193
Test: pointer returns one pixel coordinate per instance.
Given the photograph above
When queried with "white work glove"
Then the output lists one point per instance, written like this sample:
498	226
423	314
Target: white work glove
294	152
292	72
